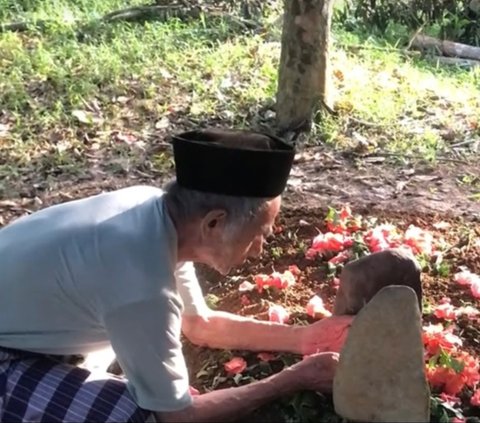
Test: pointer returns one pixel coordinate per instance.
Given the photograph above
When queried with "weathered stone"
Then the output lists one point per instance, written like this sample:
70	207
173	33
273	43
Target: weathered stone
380	375
361	279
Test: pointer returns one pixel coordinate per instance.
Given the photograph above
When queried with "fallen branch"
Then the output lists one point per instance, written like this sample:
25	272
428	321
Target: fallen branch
153	11
407	156
366	123
129	14
454	61
139	13
23	26
357	47
462	143
445	47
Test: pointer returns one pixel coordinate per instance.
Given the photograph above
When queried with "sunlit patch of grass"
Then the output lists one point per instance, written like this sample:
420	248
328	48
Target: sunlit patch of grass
412	106
130	76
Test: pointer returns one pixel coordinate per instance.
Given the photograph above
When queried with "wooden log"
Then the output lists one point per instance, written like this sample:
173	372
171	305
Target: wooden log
445	47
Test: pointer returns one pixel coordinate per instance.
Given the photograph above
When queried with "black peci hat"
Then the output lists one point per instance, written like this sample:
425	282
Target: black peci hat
229	162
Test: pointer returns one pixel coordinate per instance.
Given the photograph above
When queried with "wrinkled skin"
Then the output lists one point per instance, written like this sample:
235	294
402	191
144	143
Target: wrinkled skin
328	334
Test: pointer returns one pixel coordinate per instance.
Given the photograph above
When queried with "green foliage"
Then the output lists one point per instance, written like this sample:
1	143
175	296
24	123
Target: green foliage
212	301
441	412
450	19
68	89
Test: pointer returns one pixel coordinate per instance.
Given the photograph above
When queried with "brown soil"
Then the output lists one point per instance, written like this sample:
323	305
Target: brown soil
320	177
298	230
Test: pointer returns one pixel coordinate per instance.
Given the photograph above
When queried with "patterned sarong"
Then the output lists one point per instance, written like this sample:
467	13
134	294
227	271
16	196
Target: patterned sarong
38	388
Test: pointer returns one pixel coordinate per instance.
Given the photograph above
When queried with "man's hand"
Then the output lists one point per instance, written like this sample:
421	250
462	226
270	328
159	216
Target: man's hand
313	373
317	371
326	335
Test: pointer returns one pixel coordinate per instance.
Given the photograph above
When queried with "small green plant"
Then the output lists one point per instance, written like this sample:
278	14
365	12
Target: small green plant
212	301
276	252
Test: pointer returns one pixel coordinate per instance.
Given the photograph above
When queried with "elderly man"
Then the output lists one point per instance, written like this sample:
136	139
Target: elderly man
117	269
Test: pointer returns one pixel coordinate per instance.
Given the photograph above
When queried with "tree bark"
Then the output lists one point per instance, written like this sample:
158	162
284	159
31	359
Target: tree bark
304	79
445	47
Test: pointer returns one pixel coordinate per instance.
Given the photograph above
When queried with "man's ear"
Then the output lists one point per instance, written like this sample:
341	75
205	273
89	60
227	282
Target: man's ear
213	224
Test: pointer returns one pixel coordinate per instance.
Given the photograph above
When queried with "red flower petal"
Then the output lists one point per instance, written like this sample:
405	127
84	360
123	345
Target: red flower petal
475	400
235	365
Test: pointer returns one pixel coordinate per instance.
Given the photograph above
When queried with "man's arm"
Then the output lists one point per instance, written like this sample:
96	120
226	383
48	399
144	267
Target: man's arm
315	373
218	329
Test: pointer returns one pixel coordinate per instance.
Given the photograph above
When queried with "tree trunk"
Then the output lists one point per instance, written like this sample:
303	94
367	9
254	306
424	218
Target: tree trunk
304	75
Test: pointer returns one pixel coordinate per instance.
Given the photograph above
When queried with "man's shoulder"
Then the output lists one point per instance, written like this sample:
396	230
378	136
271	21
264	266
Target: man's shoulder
136	192
120	201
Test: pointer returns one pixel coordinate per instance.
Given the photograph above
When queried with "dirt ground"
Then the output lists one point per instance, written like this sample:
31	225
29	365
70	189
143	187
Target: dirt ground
287	248
402	195
320	177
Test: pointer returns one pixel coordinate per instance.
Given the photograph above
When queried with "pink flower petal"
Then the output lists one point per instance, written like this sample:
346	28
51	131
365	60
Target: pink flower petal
466	277
475	399
235	365
278	314
445	311
315	308
475	288
246	286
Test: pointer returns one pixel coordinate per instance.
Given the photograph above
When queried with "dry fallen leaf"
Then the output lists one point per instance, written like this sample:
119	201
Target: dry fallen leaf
163	123
4	129
86	117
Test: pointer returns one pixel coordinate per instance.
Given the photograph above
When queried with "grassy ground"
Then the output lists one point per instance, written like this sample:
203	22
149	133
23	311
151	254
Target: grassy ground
103	98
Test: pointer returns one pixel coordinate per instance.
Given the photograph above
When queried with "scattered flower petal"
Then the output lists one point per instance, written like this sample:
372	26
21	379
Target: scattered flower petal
450	400
345	212
246	286
294	270
468	311
316	308
235	365
466	278
419	240
445	311
330	242
278	314
276	279
475	400
341	257
475	288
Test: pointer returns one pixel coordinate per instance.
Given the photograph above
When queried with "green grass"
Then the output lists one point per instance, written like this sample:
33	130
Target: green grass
415	104
144	80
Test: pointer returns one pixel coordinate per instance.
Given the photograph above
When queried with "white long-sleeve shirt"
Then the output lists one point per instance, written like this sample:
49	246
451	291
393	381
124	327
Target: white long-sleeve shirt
100	271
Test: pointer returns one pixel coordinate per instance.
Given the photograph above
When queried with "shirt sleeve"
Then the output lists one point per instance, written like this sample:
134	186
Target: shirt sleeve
189	289
145	337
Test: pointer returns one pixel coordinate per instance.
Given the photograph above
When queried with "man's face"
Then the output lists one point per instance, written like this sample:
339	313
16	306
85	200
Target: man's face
231	250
